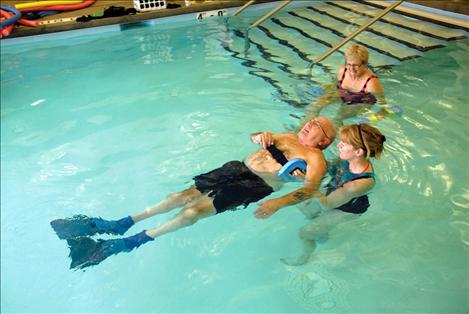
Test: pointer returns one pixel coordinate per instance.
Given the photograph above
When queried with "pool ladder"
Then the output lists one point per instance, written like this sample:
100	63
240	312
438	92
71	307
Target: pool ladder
355	33
330	51
259	21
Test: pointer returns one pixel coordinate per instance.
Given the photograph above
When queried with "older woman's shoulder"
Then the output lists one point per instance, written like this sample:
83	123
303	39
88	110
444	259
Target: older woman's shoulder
374	85
341	71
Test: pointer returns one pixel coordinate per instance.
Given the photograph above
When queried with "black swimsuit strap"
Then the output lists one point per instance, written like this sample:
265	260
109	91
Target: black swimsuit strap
277	154
363	176
366	83
339	85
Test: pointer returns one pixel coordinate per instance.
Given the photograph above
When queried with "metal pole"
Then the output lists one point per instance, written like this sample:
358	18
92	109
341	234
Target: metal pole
247	45
259	21
243	7
265	17
358	31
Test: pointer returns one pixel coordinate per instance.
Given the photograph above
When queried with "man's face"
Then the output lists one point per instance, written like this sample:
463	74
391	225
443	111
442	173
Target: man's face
312	134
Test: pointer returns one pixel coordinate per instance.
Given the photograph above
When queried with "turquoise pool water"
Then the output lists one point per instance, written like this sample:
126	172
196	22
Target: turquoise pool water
106	124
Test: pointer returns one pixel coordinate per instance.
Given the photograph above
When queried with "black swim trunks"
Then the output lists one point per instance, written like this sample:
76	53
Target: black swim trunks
232	185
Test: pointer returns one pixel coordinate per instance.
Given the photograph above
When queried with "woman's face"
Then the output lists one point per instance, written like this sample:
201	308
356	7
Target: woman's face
346	150
355	66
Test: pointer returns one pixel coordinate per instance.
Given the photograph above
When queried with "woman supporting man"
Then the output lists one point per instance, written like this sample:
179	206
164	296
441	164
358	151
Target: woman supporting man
346	193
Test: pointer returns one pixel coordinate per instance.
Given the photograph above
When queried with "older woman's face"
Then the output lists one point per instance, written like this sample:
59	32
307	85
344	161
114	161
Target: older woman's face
355	66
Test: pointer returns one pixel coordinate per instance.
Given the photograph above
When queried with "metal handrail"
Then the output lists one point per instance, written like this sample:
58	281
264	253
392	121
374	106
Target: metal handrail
241	9
259	21
265	17
355	33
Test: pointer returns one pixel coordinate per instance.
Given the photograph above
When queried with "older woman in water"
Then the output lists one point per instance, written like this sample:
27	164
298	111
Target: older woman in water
346	195
357	87
356	83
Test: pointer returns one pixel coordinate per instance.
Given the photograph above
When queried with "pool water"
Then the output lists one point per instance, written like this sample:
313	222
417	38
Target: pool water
106	124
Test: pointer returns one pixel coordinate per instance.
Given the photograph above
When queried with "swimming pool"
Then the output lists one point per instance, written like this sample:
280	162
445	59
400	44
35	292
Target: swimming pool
108	123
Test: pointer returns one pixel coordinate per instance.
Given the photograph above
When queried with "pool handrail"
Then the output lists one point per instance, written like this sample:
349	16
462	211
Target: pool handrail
356	32
259	21
241	9
272	12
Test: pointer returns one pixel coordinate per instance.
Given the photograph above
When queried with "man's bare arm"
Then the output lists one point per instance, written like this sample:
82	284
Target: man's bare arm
314	174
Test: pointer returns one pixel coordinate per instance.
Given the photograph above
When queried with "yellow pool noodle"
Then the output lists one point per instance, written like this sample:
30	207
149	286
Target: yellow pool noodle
45	3
372	117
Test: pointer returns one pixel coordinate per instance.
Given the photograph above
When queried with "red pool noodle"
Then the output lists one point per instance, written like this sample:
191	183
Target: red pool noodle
7	29
26	22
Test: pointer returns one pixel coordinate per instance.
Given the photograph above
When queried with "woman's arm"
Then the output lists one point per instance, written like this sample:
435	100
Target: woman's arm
374	86
330	94
340	73
346	193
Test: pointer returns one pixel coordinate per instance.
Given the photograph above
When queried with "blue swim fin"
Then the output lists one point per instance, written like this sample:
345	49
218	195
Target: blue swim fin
86	252
81	225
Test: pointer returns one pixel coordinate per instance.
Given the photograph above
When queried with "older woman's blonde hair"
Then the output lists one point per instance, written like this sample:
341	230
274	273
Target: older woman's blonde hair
364	136
357	51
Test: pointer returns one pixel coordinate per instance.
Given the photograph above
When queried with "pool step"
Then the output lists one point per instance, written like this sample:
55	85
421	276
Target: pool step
295	65
284	47
295	61
296	43
413	24
333	17
268	66
379	57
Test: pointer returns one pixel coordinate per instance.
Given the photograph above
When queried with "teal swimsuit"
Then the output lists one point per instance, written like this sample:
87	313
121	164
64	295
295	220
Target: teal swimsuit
357	205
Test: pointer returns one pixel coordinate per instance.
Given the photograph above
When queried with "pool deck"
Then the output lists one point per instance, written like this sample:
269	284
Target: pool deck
65	21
